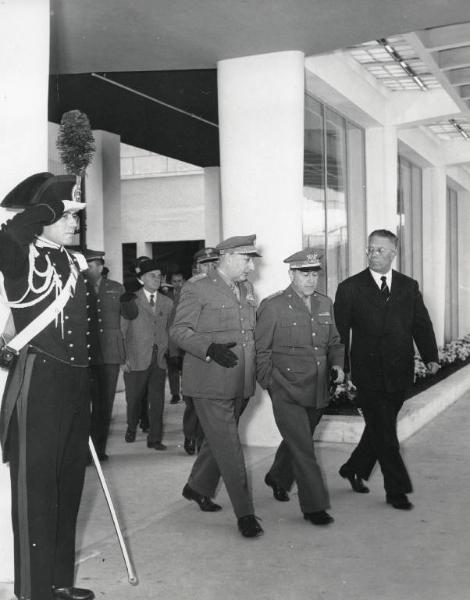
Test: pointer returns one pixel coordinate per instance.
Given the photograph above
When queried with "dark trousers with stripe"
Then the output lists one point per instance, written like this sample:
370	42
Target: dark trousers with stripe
103	390
379	441
47	443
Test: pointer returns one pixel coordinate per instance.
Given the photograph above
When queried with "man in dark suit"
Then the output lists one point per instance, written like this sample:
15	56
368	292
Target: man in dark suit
175	356
384	313
146	318
214	324
107	346
297	345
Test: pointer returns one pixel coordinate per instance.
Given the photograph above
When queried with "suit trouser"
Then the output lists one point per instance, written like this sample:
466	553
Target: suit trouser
192	429
103	390
221	453
149	384
379	441
295	458
48	441
174	376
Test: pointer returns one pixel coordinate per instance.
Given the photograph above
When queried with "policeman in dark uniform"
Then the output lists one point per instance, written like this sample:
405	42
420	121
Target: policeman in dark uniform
297	345
214	325
107	346
45	418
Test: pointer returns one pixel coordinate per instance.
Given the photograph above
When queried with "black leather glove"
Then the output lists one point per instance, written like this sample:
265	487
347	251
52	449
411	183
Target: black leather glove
222	355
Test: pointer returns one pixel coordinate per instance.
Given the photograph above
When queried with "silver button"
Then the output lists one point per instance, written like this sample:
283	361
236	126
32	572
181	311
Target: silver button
242	331
316	348
72	358
318	362
294	323
88	345
101	331
70	345
69	331
314	334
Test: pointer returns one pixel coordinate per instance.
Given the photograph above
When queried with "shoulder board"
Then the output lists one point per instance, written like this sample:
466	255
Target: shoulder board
197	277
275	295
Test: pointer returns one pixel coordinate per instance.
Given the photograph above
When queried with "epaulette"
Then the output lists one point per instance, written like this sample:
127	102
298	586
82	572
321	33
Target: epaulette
197	277
273	295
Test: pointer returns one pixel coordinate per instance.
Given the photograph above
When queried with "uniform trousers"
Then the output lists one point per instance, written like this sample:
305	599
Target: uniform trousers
150	385
103	389
379	441
295	458
48	441
174	366
192	429
221	453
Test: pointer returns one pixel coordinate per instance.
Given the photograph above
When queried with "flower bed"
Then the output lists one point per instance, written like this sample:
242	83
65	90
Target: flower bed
452	357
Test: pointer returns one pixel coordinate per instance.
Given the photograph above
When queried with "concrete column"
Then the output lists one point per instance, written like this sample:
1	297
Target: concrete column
261	120
213	223
434	242
381	178
103	197
24	70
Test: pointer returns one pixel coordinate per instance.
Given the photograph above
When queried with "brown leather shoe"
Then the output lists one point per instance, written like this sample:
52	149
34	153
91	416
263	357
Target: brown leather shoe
205	503
249	526
73	593
279	492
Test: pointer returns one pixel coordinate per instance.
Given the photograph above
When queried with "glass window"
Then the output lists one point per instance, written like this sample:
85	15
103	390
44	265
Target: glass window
334	182
451	321
410	219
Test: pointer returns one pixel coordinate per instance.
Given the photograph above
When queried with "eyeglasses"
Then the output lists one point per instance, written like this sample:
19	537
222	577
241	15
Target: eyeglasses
378	250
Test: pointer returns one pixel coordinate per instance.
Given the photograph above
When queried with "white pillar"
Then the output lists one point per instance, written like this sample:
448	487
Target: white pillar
213	223
381	178
261	120
434	242
103	197
24	71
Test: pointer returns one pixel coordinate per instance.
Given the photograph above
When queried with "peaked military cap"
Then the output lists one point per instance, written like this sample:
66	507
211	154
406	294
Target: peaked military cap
145	266
242	244
41	188
93	255
307	258
206	255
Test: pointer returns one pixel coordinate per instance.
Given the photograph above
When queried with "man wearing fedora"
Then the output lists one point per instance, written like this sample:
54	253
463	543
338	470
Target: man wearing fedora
146	318
45	415
297	345
107	346
214	325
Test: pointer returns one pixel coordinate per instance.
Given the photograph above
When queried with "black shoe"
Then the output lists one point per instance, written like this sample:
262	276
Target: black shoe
73	593
130	436
399	501
249	526
156	445
175	399
190	446
356	482
279	492
319	517
205	503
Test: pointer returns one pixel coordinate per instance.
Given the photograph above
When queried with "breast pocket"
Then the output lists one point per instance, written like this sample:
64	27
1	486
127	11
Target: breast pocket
218	316
294	332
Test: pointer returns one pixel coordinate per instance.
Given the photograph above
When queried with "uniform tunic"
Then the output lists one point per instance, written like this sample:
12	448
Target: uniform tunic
295	349
45	410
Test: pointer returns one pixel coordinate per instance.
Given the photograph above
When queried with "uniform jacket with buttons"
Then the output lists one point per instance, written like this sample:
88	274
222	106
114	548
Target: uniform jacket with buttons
295	349
209	312
107	344
30	267
379	334
146	329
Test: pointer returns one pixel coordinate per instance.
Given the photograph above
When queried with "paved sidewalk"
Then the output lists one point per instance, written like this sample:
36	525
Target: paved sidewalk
371	552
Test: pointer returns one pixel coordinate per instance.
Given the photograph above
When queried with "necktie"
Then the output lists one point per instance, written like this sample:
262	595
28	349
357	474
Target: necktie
306	300
236	291
152	300
384	289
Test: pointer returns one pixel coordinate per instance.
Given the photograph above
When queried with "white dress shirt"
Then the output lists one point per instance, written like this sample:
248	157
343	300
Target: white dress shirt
378	278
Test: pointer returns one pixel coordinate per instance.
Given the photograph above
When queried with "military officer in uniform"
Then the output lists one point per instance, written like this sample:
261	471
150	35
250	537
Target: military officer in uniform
107	353
297	345
214	325
45	416
205	261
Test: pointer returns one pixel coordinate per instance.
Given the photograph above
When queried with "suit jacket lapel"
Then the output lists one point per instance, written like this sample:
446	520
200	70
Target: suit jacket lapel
371	289
142	298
